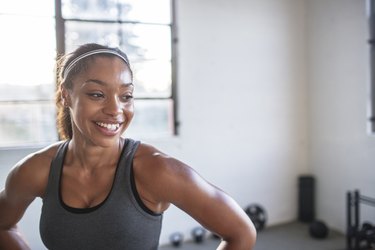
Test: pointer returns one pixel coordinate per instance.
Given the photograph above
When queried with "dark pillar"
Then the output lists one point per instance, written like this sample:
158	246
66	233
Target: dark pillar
306	199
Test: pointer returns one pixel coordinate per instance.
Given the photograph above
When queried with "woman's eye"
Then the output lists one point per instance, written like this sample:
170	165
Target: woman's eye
127	97
96	95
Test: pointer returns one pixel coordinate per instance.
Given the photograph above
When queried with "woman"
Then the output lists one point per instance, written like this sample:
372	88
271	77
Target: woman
100	190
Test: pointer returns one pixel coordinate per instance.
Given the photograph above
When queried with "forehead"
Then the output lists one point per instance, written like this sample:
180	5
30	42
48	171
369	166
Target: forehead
103	60
104	71
107	67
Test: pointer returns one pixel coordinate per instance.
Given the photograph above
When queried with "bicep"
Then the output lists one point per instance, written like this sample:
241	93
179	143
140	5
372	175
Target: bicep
15	198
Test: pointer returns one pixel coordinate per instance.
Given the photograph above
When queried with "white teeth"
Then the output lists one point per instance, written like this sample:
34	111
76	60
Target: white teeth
109	126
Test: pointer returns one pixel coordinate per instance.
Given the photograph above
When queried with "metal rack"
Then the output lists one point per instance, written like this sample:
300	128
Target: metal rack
353	201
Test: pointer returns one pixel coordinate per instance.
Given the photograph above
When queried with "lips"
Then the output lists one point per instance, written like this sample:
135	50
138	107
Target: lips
109	126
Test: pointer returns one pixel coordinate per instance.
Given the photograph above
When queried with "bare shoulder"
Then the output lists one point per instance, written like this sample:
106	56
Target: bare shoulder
147	152
31	173
163	176
151	161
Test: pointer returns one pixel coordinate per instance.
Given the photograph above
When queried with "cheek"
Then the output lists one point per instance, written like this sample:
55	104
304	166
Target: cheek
82	110
129	109
85	108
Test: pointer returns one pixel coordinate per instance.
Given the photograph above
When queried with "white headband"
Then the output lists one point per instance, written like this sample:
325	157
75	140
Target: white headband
90	53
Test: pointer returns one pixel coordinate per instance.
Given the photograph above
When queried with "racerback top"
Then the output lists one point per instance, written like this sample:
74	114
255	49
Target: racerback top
121	221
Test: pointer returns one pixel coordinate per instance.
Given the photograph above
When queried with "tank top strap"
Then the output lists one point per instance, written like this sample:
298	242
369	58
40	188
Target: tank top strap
55	171
130	148
126	160
125	176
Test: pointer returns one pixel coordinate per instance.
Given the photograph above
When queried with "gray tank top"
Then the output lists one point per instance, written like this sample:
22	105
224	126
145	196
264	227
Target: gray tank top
121	221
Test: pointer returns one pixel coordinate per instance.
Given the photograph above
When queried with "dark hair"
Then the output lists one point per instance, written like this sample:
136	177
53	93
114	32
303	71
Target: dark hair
64	122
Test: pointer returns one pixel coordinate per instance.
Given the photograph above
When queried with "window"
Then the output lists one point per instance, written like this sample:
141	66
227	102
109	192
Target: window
33	31
27	49
146	37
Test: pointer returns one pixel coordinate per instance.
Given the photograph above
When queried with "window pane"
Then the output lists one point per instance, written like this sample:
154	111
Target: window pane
90	9
152	78
27	7
152	41
17	92
147	46
27	123
27	57
28	51
153	118
152	67
78	33
153	11
149	11
139	41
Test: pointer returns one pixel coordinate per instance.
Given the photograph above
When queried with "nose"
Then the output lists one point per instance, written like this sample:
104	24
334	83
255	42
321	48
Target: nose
113	106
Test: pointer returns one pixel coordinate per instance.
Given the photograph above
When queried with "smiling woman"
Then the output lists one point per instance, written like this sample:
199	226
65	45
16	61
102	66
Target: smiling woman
107	86
100	188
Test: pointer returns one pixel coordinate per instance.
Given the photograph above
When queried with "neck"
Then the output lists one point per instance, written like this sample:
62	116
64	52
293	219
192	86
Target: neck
90	156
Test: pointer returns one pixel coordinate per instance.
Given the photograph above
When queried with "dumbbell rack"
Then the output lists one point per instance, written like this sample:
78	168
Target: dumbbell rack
353	200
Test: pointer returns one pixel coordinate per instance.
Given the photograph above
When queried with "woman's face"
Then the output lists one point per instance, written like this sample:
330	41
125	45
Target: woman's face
101	101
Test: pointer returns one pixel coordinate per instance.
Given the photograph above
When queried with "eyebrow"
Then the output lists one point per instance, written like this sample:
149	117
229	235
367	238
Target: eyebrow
100	82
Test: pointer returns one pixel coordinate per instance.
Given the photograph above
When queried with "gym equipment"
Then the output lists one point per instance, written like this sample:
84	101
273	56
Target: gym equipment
358	238
176	239
258	216
306	198
366	236
198	234
318	229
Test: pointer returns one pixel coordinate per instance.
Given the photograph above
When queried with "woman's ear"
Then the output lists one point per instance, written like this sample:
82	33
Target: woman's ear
65	97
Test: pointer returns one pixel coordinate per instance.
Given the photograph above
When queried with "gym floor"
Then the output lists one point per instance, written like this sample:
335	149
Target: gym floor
291	236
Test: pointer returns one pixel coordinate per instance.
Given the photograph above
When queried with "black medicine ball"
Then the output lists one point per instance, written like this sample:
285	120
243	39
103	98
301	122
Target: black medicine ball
318	229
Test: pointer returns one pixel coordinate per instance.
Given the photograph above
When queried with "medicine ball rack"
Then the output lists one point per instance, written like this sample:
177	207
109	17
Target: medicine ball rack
354	234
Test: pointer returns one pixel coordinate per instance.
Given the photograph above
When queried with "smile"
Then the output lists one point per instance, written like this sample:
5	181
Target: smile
109	126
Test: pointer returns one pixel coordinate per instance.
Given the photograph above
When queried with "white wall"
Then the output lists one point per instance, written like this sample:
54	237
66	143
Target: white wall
249	122
342	154
242	92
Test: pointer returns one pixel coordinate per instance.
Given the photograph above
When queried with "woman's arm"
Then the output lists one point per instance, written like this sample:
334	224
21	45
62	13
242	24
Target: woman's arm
14	200
171	181
11	239
25	182
213	209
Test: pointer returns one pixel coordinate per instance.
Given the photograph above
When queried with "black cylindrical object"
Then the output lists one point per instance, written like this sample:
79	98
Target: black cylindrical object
318	229
306	199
